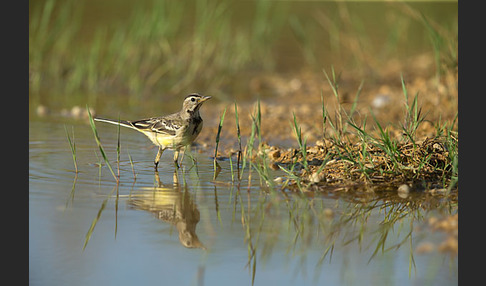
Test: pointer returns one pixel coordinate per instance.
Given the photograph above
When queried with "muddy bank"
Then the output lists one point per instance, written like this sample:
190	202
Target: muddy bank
376	151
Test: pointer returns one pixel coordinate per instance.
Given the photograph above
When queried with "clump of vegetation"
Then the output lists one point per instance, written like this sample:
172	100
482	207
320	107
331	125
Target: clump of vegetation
376	157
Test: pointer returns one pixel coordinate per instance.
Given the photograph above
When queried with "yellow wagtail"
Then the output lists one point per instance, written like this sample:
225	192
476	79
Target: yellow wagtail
173	131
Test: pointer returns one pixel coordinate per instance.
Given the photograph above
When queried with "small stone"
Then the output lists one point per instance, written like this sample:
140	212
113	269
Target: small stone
76	111
317	177
42	110
403	191
295	84
313	150
403	188
381	100
437	147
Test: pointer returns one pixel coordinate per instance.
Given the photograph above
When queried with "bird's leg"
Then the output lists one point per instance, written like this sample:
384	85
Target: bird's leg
176	158
157	158
183	153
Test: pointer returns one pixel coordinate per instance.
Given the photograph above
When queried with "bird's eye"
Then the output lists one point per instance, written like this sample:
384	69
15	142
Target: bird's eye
193	99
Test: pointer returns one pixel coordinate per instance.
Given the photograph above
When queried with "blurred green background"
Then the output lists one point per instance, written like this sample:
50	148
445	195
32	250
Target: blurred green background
145	55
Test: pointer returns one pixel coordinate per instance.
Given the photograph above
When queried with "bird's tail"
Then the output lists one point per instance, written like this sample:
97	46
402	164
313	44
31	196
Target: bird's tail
123	123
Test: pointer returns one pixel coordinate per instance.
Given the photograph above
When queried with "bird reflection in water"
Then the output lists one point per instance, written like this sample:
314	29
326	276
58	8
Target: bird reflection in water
171	204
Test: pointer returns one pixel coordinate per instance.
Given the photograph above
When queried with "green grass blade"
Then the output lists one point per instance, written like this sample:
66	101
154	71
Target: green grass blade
238	133
220	127
118	147
133	168
98	142
72	145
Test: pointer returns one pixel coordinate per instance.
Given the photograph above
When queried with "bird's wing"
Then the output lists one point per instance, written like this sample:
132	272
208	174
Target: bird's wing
165	125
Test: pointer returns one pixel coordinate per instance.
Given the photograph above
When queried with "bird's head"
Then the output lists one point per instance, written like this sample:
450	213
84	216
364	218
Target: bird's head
193	102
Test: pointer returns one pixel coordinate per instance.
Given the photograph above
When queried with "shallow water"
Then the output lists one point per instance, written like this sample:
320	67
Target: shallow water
144	223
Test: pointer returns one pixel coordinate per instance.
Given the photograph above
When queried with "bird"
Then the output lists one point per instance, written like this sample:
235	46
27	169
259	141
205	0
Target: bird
173	131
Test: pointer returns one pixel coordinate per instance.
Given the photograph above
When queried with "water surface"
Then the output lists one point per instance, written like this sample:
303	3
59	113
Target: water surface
242	231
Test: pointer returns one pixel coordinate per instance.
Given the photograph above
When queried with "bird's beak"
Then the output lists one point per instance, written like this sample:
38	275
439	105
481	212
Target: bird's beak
204	98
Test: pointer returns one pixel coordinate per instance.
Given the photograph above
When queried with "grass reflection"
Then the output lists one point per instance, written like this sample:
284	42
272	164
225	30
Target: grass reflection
304	226
98	216
375	223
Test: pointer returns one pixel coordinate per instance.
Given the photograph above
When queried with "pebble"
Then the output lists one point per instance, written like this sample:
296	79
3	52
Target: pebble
380	101
295	84
313	150
403	191
317	177
76	112
42	110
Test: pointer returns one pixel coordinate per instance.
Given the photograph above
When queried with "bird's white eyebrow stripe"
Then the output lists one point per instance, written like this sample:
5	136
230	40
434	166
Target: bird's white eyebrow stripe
193	95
